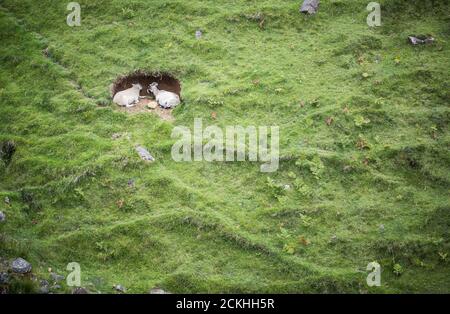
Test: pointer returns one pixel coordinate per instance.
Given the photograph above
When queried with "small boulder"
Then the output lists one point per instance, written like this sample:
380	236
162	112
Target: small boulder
2	217
80	290
44	287
20	266
420	40
43	283
4	278
144	154
158	291
56	278
310	6
119	288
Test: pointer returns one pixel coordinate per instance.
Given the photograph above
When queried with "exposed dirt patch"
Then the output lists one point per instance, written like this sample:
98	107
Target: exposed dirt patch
147	105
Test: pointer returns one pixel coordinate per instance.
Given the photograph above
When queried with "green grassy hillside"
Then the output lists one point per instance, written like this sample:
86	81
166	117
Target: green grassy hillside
369	184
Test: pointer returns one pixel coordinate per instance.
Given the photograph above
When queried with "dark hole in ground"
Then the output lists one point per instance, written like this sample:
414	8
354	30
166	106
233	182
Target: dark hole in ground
165	82
7	150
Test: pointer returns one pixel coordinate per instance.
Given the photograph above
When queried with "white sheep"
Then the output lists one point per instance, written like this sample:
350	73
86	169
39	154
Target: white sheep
128	97
164	98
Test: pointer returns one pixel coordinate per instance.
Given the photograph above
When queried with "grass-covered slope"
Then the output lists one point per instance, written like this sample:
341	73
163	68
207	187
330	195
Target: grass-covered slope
364	143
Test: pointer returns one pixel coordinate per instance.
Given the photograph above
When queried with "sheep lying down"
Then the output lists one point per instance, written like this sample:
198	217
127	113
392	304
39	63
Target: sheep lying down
128	97
164	98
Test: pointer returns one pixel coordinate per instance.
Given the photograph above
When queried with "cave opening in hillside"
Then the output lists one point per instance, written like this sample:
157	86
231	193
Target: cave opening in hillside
147	103
165	82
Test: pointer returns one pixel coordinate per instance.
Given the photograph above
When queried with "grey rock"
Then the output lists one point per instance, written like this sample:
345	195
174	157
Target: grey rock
44	283
20	266
44	290
56	278
420	40
119	288
158	291
2	217
310	6
144	154
80	290
198	34
382	228
4	278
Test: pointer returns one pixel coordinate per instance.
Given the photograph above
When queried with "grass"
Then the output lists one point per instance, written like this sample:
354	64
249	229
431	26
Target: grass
227	227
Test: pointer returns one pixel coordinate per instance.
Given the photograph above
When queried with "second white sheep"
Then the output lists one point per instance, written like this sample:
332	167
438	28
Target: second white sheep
164	98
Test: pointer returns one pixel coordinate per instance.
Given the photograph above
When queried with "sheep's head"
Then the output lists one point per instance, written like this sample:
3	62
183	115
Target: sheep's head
153	87
138	86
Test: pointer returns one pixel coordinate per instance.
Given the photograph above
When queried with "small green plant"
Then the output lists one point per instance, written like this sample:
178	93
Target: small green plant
289	248
79	192
398	269
105	252
19	285
314	164
380	101
306	220
276	189
128	13
443	256
303	188
210	101
284	234
360	121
